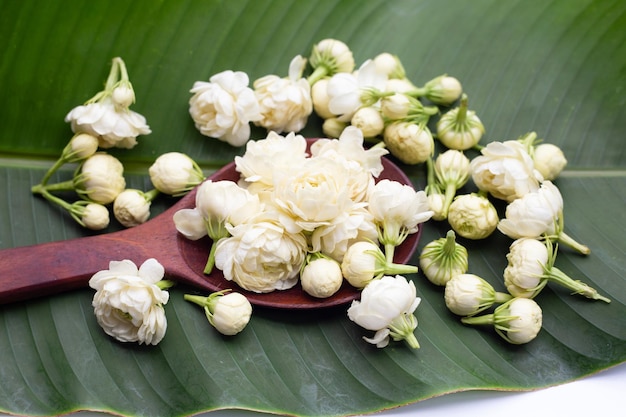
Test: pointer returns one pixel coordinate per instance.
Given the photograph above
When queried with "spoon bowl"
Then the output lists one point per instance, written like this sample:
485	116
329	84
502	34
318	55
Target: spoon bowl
45	269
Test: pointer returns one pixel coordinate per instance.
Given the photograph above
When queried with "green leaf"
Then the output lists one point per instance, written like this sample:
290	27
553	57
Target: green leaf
554	67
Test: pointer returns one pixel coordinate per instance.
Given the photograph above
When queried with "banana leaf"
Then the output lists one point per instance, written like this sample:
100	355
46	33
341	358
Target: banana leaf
553	67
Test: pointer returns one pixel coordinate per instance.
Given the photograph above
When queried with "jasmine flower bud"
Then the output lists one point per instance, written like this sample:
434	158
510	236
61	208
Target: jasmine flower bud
132	207
409	142
472	216
443	258
460	128
80	147
228	312
320	275
531	266
329	57
451	172
443	90
123	95
100	178
320	99
386	307
390	65
364	262
175	173
93	216
549	160
369	121
469	294
517	321
333	127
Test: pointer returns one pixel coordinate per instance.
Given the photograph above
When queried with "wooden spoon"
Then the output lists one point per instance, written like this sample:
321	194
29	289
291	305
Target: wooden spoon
49	268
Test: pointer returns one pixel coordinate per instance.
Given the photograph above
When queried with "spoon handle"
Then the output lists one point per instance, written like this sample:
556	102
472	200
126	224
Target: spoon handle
48	268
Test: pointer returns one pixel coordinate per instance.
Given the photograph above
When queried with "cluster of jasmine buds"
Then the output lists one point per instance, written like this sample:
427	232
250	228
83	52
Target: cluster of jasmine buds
106	121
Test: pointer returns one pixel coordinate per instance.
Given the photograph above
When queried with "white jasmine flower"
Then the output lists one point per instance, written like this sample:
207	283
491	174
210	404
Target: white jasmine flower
93	216
350	146
451	172
320	99
328	57
228	312
401	107
132	207
312	194
348	92
369	121
260	255
386	307
129	301
398	210
218	204
265	157
460	128
349	227
531	265
517	321
223	107
443	90
79	148
400	85
389	65
469	294
333	127
505	170
285	103
549	160
112	126
364	263
472	216
175	173
321	276
101	178
409	142
536	214
436	203
107	117
444	258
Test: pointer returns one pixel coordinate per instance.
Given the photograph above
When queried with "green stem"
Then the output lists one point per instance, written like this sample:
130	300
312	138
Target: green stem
462	112
567	240
151	195
390	249
210	263
399	269
59	162
56	200
59	186
165	284
450	193
501	297
488	319
196	299
578	287
320	72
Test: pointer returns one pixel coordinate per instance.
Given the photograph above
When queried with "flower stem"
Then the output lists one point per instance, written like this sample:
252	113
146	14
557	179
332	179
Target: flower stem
479	320
196	299
319	73
450	194
501	297
59	162
210	263
578	287
462	112
151	195
398	269
567	240
59	186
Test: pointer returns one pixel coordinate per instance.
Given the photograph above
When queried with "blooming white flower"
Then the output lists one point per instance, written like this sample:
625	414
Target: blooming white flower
443	258
505	170
175	173
312	194
321	276
473	216
129	301
101	178
398	210
265	157
132	207
112	126
260	255
533	214
549	160
223	107
106	116
285	103
386	307
351	226
517	321
350	146
409	142
228	312
469	294
348	92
